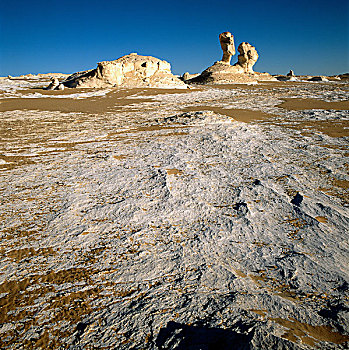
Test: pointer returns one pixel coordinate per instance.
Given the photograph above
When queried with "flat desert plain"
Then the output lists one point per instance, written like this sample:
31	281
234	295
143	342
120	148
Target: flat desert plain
214	217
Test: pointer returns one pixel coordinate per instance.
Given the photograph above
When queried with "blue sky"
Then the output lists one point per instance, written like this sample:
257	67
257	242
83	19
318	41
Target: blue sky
310	37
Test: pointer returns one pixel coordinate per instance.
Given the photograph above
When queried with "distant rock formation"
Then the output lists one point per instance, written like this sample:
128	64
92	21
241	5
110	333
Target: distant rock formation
290	76
132	70
55	85
344	76
318	78
227	44
188	76
221	72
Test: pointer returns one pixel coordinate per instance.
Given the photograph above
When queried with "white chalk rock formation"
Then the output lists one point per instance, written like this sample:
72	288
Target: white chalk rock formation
221	72
226	40
318	78
132	70
247	58
188	76
54	84
290	73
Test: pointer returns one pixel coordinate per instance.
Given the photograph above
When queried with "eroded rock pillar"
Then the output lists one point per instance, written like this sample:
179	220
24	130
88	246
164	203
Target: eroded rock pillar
227	44
248	57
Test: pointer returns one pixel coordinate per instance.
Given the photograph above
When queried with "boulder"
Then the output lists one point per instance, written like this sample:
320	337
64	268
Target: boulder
318	78
188	76
286	78
54	84
344	76
132	70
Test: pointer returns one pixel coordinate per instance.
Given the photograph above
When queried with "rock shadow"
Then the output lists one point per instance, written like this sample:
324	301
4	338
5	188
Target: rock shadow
183	337
297	199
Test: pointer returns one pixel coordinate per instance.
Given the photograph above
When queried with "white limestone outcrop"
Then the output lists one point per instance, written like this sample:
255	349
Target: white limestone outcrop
247	58
55	85
221	72
132	70
226	40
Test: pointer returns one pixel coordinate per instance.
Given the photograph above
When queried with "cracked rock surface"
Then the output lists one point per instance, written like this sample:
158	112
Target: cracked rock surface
166	222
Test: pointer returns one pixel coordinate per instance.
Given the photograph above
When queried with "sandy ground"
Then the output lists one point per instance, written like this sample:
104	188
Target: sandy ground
299	104
145	218
111	103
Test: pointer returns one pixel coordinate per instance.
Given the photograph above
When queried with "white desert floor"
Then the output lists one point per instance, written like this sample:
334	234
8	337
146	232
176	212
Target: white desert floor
166	222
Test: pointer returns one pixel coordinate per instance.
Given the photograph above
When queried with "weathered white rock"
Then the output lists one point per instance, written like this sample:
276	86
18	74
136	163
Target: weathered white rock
344	76
187	76
286	78
152	229
132	70
54	84
227	44
318	78
221	72
290	73
247	58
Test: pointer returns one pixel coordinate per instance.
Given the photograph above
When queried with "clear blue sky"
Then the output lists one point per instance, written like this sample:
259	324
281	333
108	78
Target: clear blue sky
40	36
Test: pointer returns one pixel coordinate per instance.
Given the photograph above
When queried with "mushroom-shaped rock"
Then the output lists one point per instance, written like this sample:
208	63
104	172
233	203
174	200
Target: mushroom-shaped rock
221	72
226	40
247	58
